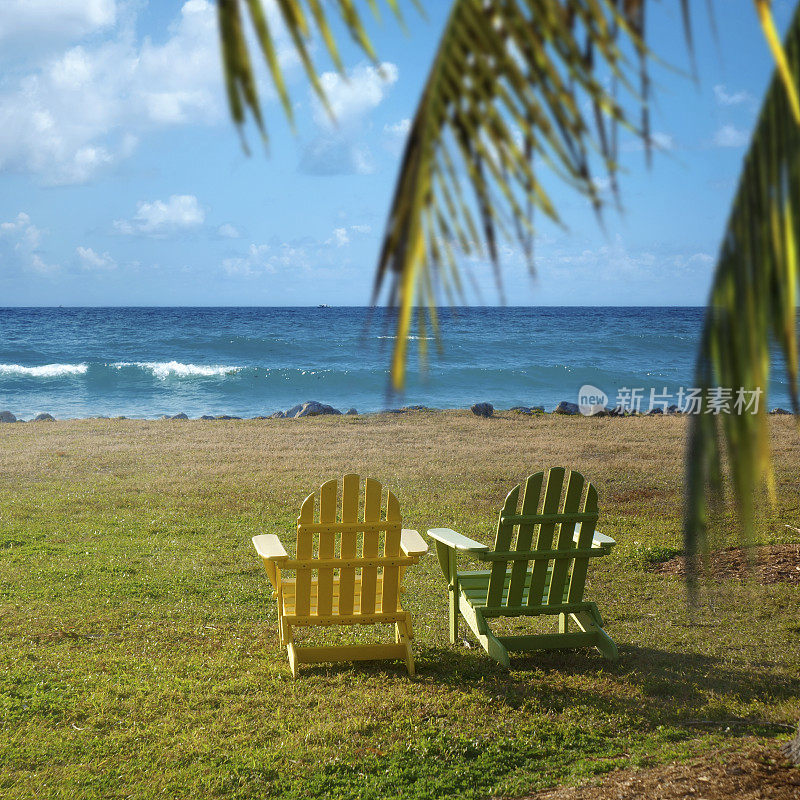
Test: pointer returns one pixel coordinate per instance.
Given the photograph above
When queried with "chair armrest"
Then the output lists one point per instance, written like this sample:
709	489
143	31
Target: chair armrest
598	540
411	543
448	543
269	547
601	540
450	538
273	554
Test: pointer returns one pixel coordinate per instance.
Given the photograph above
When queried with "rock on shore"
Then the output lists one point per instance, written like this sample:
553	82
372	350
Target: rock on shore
565	407
312	408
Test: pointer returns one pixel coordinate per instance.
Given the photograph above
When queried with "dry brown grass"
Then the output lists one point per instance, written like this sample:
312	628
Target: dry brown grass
412	452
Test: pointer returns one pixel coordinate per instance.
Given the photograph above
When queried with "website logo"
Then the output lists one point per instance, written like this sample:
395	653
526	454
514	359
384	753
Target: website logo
591	400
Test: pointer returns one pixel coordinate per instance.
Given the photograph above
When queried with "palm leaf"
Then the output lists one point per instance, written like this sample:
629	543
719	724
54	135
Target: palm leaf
752	302
514	94
303	21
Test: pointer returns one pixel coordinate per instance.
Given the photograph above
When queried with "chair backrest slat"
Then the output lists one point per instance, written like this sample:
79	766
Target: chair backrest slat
519	569
305	552
391	548
349	543
326	548
502	543
585	536
552	501
572	501
369	575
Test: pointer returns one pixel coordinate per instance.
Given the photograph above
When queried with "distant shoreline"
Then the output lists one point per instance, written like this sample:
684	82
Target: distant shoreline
517	411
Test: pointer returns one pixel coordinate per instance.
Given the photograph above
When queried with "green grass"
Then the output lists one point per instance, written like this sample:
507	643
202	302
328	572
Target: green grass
139	656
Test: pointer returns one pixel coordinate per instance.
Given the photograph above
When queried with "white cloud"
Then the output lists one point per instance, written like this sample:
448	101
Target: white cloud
21	241
601	183
22	230
725	98
687	263
85	108
180	212
93	261
353	96
662	141
731	136
615	261
40	22
658	141
361	228
336	155
338	149
228	231
262	259
399	129
340	237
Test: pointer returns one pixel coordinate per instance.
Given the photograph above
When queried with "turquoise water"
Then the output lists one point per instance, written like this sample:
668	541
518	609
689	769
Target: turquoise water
145	362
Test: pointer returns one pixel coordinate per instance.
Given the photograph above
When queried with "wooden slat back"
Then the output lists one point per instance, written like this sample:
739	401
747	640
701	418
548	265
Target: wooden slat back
322	520
369	575
326	548
552	505
502	543
585	536
305	552
391	549
347	575
519	569
561	566
544	541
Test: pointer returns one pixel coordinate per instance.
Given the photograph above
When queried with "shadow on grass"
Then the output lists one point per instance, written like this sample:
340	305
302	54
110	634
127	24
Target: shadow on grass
648	687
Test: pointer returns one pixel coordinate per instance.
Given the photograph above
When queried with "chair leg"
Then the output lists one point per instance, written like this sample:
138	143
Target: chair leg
453	617
605	644
281	634
495	649
288	638
453	596
563	625
402	637
294	664
491	644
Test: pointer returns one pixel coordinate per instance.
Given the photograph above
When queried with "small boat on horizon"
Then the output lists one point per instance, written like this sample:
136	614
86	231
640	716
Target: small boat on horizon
323	305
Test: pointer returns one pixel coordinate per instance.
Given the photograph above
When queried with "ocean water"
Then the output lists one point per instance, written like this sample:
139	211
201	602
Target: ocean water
145	362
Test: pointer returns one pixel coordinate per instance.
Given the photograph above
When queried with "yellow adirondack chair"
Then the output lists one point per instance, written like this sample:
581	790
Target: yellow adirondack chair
349	566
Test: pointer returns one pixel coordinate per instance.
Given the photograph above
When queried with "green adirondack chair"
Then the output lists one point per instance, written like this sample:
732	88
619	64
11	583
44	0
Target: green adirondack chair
538	567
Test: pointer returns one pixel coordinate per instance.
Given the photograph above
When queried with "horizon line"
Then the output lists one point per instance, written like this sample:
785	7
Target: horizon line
322	307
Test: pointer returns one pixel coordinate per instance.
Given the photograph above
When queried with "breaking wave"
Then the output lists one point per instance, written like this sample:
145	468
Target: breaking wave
44	371
176	369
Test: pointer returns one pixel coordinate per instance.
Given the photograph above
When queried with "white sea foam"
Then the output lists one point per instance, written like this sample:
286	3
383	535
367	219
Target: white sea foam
176	369
413	338
45	371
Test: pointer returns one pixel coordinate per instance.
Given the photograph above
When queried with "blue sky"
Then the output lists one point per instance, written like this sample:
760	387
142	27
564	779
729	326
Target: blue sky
124	181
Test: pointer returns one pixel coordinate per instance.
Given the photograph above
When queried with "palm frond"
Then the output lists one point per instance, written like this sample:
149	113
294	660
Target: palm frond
753	302
515	92
303	21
